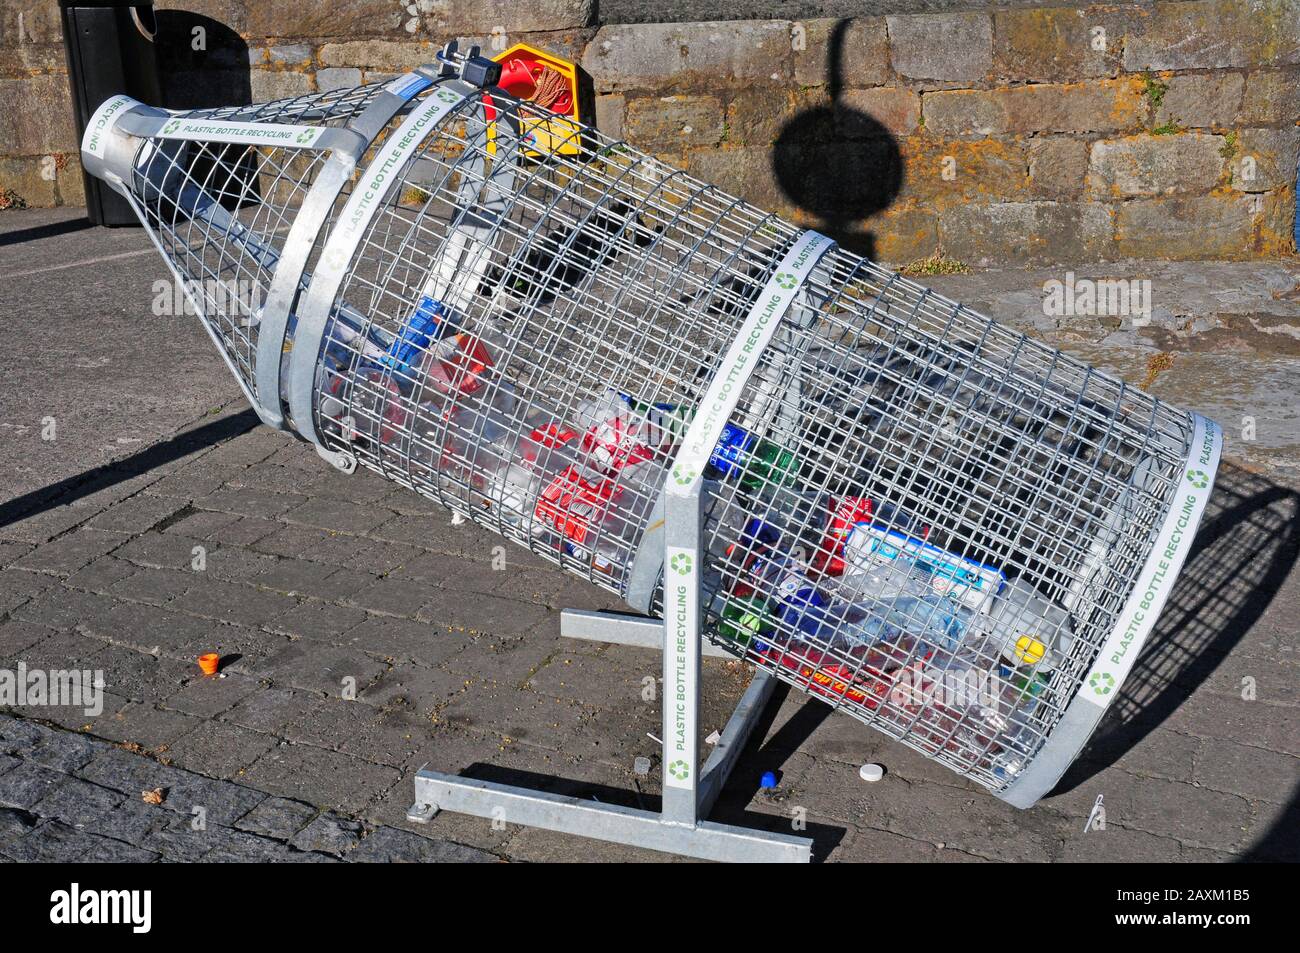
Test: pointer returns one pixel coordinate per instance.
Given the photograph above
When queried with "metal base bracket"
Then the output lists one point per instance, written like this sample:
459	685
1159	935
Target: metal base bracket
689	794
651	830
618	629
621	825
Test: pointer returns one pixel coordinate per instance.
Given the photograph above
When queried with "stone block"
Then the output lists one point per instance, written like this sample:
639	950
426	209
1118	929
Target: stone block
1201	100
1103	106
662	55
37	118
1185	228
904	234
943	172
268	85
30	22
399	55
673	123
745	172
863	47
866	112
290	55
942	46
1265	159
1026	232
1057	166
1216	34
1063	43
757	116
22	181
1270	97
610	111
1149	165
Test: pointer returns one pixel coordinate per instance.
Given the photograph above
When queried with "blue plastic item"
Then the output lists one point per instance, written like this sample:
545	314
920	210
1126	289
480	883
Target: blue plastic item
415	338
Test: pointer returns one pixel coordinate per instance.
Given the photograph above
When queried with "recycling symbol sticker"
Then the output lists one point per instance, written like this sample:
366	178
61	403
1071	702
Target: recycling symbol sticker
1198	478
305	135
681	564
679	769
171	127
1102	682
447	96
683	476
785	280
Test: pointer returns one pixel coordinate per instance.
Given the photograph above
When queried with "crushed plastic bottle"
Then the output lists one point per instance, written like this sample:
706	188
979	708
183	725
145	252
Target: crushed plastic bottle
898	599
593	515
512	488
619	433
949	574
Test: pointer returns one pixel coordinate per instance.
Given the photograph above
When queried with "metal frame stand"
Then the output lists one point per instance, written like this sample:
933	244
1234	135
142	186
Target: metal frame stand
688	794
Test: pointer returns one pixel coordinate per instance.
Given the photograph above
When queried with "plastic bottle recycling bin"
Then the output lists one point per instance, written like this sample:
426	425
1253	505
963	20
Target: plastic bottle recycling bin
952	532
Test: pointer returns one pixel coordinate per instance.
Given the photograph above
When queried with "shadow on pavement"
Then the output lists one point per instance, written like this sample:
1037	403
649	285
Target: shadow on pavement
1248	543
49	230
92	481
732	804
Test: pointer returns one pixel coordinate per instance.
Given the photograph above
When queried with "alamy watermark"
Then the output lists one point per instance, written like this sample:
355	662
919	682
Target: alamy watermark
241	296
1101	297
53	688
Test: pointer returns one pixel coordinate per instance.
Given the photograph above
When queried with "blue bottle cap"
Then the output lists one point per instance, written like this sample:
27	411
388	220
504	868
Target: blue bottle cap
768	781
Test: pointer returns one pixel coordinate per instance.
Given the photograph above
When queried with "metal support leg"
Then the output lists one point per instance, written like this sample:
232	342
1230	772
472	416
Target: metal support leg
739	727
688	793
617	628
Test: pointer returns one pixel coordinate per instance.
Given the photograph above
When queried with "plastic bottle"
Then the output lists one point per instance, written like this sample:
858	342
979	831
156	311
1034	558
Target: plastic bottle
513	488
899	601
1027	629
619	433
594	515
755	463
971	583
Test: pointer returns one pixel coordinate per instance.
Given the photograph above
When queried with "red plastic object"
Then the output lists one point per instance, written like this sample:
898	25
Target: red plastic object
845	513
574	504
463	370
517	77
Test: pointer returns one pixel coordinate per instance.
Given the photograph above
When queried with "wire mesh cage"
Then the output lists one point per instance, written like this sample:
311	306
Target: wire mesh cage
954	533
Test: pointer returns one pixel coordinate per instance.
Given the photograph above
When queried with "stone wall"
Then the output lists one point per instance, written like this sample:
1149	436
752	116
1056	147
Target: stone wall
1163	130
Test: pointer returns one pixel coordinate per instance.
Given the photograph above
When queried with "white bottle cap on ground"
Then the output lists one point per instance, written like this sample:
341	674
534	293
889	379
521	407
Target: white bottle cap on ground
871	772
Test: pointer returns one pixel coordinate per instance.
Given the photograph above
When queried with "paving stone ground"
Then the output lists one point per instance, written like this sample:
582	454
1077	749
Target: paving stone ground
364	635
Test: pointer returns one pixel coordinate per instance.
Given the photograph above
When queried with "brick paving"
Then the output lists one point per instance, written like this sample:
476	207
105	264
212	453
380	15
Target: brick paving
364	635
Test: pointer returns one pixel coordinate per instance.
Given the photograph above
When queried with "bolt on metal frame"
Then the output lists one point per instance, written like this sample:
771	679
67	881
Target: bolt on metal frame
756	367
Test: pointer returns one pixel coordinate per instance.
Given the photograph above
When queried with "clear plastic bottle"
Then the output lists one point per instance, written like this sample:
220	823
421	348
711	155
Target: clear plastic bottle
523	470
897	600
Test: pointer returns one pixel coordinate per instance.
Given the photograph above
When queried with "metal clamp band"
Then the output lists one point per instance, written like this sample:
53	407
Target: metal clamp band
367	198
765	315
742	359
290	280
1114	661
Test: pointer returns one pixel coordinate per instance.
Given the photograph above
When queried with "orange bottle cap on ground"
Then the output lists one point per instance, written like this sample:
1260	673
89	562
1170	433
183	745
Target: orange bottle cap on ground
209	663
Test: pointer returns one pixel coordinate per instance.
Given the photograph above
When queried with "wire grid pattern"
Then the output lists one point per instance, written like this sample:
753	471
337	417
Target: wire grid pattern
565	370
222	212
926	519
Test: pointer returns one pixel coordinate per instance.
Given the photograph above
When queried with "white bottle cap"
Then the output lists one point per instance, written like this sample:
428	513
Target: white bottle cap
871	772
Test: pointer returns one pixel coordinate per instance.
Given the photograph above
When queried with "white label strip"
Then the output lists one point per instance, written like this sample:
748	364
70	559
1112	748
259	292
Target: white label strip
93	138
408	85
1160	573
681	616
742	357
244	133
379	175
366	199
